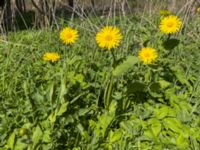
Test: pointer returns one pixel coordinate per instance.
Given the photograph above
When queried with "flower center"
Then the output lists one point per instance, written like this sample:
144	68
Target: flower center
108	38
170	24
69	35
147	55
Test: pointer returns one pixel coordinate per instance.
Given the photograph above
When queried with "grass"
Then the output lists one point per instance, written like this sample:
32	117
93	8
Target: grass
78	103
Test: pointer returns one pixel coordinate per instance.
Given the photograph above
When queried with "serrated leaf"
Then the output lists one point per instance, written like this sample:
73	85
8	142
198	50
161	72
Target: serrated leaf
125	66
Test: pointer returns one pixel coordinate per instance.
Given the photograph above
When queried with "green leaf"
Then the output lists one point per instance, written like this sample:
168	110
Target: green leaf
47	136
125	66
51	89
155	126
63	88
63	109
161	112
115	136
37	135
173	124
164	84
182	142
11	141
112	107
83	111
149	134
52	117
127	128
82	131
20	145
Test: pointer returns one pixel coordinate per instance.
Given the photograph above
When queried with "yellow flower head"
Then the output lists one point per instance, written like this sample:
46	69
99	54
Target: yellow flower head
53	57
170	24
108	37
148	55
165	12
69	35
198	9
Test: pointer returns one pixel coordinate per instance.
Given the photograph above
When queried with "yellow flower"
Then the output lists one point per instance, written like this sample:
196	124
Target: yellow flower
170	24
198	9
53	57
165	12
108	37
148	55
69	35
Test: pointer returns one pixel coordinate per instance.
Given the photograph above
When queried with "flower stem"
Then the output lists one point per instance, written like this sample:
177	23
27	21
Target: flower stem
114	58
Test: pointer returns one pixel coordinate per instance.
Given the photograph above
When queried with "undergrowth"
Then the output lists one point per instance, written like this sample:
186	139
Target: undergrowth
84	101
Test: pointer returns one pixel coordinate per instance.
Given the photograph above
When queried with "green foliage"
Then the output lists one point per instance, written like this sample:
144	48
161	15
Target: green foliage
83	101
125	66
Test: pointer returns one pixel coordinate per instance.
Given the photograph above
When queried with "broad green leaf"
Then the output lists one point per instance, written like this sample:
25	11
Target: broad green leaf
63	109
112	107
149	134
115	136
155	126
47	136
164	84
173	124
182	142
162	112
37	96
20	145
83	111
158	147
52	117
104	122
37	135
125	66
69	119
79	78
11	141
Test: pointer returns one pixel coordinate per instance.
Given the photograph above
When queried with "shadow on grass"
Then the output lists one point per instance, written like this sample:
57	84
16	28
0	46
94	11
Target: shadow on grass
171	44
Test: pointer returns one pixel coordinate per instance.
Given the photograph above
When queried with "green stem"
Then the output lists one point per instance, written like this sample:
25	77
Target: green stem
114	58
108	93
